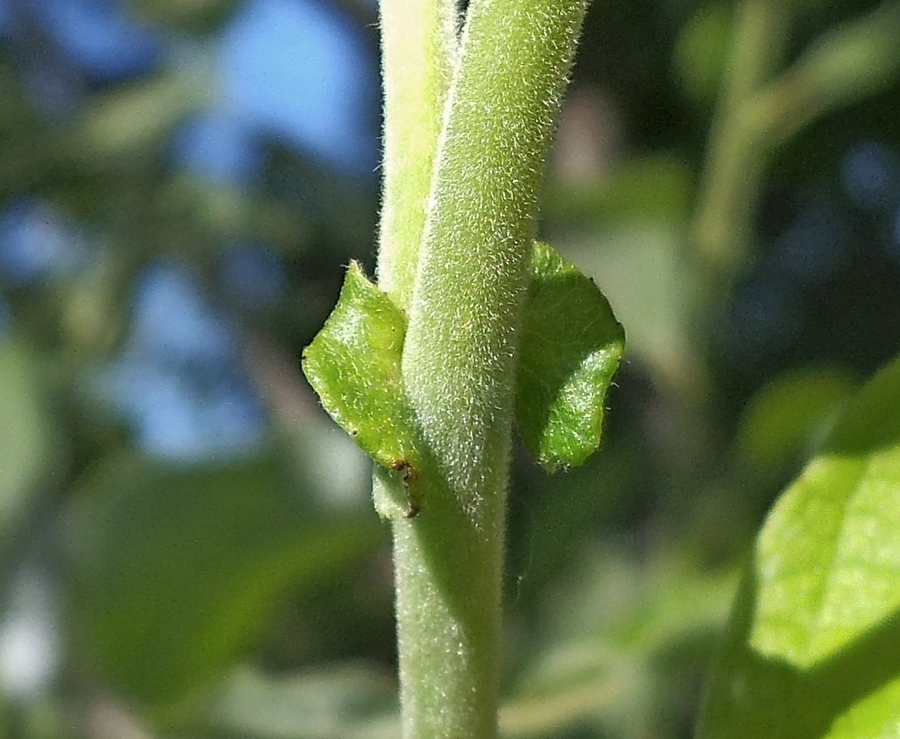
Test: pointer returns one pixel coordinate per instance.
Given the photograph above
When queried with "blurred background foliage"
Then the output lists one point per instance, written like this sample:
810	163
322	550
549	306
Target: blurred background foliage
188	548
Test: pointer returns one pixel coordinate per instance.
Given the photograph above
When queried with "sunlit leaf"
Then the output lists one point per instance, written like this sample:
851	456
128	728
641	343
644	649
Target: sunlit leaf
570	350
354	366
816	630
874	717
829	555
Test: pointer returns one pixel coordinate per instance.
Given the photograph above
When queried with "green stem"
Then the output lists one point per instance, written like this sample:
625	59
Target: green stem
735	166
852	61
459	358
418	41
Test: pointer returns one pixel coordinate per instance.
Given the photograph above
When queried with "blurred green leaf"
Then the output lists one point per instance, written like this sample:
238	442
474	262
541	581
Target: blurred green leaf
570	351
781	419
644	273
699	53
354	366
335	702
26	441
193	16
656	187
578	685
606	674
615	630
816	635
130	120
221	211
177	569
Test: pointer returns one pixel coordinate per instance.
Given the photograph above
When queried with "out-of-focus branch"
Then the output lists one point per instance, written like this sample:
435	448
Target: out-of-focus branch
846	64
734	166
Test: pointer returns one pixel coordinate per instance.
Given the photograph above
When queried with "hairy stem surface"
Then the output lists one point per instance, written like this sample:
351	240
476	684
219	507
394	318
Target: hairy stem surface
459	358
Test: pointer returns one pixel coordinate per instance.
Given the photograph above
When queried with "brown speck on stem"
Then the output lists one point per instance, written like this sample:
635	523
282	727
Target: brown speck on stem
409	476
